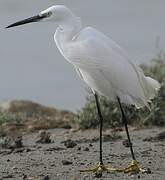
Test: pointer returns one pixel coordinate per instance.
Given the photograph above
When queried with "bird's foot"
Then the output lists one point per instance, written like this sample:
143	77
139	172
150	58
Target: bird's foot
100	168
134	167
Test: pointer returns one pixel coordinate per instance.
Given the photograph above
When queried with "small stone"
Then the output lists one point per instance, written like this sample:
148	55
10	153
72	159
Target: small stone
85	176
8	176
69	143
66	162
18	142
149	139
44	137
27	150
11	143
138	176
148	171
5	142
98	175
82	163
19	150
79	148
24	177
86	149
126	143
45	178
161	136
133	175
13	168
52	165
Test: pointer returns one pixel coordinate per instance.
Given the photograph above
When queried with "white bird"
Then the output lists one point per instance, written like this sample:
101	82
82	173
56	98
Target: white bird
103	65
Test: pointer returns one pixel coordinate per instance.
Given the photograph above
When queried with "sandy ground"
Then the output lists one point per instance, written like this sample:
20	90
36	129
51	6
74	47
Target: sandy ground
37	161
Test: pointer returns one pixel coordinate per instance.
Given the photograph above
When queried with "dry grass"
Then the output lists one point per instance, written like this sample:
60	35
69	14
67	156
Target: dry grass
18	117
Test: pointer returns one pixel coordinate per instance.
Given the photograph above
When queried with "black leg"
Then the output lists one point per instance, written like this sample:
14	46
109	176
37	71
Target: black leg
101	125
124	119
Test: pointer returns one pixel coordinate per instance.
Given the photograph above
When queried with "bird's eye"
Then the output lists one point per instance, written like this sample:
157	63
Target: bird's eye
46	15
49	14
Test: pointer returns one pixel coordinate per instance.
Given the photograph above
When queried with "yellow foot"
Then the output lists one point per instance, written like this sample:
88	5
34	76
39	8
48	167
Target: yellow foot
100	168
134	167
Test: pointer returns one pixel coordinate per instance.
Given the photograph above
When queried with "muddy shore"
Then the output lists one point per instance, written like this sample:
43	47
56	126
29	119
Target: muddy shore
55	160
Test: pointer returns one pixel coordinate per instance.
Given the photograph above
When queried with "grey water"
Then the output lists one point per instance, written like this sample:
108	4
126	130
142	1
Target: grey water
32	68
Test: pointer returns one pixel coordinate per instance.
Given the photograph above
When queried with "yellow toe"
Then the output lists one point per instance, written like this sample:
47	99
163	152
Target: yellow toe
99	168
134	167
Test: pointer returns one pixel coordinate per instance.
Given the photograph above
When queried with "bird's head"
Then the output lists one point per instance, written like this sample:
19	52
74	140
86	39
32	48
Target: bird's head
58	13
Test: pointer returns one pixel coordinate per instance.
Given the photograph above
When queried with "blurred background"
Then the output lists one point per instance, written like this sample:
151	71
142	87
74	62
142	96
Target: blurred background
32	68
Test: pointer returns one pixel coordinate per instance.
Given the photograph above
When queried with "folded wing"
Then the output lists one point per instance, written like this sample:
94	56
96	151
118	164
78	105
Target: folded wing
106	68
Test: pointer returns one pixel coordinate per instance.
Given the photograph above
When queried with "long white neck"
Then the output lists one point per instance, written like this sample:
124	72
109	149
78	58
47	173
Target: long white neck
65	33
68	29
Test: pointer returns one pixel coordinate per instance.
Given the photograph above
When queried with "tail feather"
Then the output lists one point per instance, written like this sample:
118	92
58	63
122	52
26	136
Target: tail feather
151	86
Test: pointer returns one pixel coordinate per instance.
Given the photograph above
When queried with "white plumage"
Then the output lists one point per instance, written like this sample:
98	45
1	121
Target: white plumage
103	64
99	61
105	68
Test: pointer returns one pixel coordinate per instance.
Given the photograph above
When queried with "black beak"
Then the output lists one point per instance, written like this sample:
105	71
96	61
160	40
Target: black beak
28	20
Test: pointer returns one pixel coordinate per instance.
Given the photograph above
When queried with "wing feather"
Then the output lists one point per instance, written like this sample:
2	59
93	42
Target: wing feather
101	59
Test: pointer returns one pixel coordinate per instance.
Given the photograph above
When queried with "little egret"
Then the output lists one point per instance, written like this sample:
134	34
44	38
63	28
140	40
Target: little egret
104	66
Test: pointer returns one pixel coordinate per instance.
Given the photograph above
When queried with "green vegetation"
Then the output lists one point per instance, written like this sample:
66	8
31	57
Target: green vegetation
11	118
87	117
